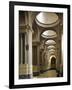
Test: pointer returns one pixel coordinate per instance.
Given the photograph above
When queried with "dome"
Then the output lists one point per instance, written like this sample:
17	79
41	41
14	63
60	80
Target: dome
47	19
50	42
52	50
51	47
49	34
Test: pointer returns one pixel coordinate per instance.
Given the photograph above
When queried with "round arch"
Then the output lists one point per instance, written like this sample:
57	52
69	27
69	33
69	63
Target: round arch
53	62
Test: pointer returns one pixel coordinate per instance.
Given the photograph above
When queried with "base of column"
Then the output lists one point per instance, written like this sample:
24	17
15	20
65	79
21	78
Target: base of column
25	76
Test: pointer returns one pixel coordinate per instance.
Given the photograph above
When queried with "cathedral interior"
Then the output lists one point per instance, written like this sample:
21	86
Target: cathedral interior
40	44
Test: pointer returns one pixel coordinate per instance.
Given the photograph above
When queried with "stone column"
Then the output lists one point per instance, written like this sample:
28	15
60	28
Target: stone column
30	31
28	44
21	50
30	71
26	53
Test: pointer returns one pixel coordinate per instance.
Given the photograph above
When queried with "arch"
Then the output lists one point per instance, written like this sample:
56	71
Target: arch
53	62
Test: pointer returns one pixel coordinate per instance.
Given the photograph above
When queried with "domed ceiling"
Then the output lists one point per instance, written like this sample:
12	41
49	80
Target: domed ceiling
50	42
47	19
49	34
51	47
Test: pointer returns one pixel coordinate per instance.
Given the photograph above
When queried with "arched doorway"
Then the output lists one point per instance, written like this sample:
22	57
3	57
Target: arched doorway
53	63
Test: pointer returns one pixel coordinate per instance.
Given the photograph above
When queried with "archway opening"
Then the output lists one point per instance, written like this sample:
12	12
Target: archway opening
53	63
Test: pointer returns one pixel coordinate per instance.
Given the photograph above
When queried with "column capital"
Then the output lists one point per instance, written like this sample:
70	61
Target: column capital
25	28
